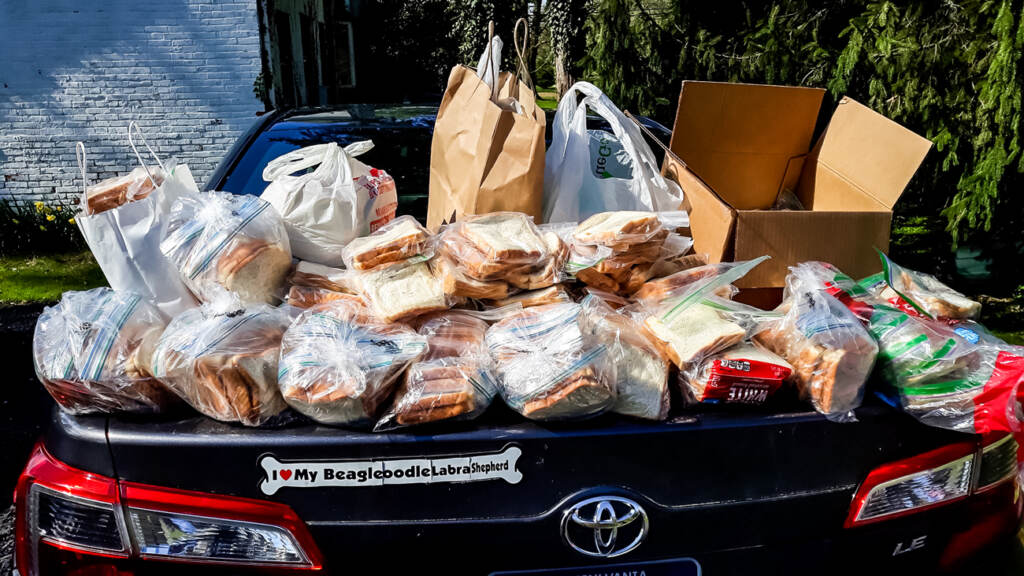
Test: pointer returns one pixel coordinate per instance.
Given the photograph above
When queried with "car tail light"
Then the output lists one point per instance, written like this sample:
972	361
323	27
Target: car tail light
935	478
931	479
89	516
998	463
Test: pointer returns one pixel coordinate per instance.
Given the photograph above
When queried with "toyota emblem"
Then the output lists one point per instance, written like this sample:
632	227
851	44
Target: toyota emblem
605	526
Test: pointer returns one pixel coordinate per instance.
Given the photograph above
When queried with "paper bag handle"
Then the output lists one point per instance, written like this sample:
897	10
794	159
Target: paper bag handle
80	156
524	71
490	64
133	125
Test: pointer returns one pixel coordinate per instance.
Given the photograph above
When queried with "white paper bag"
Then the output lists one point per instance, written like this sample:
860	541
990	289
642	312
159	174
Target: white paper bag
126	243
591	171
340	200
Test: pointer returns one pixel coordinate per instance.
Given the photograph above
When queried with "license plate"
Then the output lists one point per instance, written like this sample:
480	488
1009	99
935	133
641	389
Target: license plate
681	567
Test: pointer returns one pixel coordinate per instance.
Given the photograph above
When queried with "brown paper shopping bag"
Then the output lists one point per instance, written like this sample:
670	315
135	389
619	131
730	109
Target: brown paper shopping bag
487	154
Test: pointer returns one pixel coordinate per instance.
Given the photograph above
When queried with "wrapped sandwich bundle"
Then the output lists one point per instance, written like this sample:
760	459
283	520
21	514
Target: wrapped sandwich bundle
452	381
312	284
690	323
92	353
660	288
225	365
402	292
549	364
831	353
901	287
743	374
339	364
120	190
220	241
504	247
458	285
616	251
641	372
550	295
395	242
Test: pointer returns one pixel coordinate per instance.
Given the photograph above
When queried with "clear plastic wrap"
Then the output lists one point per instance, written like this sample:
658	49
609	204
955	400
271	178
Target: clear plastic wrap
946	373
453	381
457	285
402	292
312	275
689	322
549	365
505	246
225	365
617	251
339	364
641	371
120	190
305	297
92	353
743	374
222	242
397	241
550	295
831	353
925	293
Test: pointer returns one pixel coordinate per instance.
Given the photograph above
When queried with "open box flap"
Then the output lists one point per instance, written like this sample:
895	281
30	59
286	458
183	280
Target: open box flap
869	152
741	138
711	220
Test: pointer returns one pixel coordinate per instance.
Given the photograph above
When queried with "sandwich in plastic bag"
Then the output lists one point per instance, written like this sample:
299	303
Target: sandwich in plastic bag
591	171
402	292
315	275
225	365
220	241
899	286
831	352
550	366
743	374
120	190
690	323
325	209
457	285
641	372
92	353
550	295
505	246
339	364
397	241
452	381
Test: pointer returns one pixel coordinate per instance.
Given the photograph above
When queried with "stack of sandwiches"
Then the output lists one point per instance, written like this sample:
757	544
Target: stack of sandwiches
312	284
633	243
220	241
453	381
550	366
339	364
93	350
225	366
394	243
493	254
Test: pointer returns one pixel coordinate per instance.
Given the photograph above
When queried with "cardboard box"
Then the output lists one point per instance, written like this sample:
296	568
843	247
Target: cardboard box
736	147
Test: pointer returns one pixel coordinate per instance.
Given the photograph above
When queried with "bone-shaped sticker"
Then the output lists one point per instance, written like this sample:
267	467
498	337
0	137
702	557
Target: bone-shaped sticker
378	472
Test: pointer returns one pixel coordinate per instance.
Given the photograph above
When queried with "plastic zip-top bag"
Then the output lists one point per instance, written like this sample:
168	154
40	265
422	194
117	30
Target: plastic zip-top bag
549	364
92	353
339	364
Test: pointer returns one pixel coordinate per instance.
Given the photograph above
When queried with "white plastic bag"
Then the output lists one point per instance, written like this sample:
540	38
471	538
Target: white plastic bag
338	201
592	171
126	240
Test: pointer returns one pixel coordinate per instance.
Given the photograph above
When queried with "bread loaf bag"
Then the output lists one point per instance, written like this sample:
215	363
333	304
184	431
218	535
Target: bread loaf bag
743	374
550	366
225	365
92	353
222	243
452	381
339	364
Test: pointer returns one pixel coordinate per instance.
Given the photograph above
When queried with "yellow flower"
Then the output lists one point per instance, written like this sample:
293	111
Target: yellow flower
71	220
40	206
50	217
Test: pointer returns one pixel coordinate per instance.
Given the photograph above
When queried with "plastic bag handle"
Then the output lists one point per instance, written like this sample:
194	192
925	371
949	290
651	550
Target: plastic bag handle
524	72
309	157
80	156
133	125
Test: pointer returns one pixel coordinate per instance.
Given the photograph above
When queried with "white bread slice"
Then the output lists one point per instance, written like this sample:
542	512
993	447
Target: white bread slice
695	333
399	240
403	291
459	285
256	275
507	236
616	228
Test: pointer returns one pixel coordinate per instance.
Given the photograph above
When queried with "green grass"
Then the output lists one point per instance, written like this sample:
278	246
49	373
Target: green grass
45	278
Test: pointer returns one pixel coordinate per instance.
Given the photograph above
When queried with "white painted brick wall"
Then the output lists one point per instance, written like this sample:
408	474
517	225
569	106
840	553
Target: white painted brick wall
83	69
